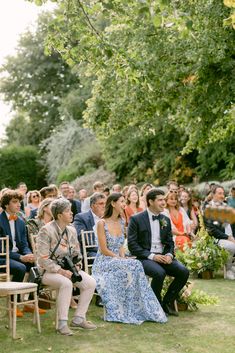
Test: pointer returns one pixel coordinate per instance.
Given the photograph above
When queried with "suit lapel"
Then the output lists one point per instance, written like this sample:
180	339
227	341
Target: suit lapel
147	223
91	220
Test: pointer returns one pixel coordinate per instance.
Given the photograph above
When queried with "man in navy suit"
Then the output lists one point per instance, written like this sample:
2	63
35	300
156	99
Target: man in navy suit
88	220
21	257
150	240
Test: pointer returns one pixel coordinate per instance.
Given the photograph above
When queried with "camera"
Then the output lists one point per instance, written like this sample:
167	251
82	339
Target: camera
69	264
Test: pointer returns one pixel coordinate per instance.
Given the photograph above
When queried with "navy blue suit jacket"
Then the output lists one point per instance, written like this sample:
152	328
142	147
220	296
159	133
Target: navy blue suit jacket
140	237
20	236
84	221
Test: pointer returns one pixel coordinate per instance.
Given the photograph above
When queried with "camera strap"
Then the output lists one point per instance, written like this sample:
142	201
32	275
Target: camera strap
56	247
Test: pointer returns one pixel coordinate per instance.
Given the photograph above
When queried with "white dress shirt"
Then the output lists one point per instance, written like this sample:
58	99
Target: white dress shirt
156	244
13	233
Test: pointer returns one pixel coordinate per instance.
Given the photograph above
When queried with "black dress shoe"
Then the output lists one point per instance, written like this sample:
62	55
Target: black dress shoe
169	311
98	301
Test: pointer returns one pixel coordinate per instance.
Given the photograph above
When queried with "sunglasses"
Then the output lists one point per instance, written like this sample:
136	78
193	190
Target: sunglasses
34	196
174	191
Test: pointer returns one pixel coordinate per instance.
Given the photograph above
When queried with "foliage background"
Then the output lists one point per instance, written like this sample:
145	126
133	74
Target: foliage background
150	82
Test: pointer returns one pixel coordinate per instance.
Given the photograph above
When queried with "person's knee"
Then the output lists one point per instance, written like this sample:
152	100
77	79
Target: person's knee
92	283
18	268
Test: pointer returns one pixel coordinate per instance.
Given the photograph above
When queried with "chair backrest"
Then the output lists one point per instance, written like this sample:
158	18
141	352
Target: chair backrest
32	240
4	259
88	242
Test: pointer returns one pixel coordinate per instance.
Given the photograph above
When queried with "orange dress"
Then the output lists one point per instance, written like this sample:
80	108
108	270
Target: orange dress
129	212
180	240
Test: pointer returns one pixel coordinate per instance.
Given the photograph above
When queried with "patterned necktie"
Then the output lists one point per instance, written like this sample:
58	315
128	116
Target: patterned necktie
13	217
155	217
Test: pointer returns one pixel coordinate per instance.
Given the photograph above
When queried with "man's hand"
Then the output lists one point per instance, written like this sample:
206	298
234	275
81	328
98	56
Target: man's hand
27	258
65	273
160	258
168	259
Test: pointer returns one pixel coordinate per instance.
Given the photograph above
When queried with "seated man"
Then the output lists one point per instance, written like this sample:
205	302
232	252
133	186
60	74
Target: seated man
21	257
88	220
224	233
150	240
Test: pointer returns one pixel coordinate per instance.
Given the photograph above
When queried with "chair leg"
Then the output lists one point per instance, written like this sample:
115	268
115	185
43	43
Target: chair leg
9	308
14	316
36	312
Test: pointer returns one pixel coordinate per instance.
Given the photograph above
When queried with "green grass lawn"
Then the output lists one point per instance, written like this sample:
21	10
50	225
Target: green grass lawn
210	329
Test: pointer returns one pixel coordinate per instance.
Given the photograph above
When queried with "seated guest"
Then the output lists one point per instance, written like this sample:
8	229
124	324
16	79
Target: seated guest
98	186
88	220
82	195
186	203
180	222
150	239
132	204
33	201
222	232
143	192
60	237
116	188
121	281
231	198
46	192
21	257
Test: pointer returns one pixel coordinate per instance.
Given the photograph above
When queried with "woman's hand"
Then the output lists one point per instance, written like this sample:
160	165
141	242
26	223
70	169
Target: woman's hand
65	273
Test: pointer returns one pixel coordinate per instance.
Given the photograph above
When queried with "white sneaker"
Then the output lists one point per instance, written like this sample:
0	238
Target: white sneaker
230	275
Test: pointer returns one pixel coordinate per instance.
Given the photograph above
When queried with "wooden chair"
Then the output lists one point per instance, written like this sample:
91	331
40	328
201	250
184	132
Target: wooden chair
88	242
11	290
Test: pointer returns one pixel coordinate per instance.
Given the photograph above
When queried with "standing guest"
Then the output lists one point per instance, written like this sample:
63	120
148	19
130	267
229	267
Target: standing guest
222	232
150	239
64	190
143	192
121	281
98	186
186	203
60	232
33	201
22	189
132	204
180	222
82	195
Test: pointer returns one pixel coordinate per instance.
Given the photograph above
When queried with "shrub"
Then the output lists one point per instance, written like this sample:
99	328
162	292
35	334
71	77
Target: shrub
20	164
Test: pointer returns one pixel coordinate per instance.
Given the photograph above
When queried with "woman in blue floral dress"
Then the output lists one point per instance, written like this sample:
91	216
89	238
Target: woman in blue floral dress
121	282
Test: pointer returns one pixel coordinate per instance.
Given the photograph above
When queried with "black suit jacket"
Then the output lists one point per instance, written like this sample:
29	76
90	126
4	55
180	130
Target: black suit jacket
140	237
20	236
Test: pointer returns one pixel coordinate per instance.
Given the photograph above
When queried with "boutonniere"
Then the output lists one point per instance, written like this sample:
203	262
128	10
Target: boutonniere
163	223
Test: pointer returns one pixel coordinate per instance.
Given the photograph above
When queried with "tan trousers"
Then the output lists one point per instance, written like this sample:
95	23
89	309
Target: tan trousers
65	287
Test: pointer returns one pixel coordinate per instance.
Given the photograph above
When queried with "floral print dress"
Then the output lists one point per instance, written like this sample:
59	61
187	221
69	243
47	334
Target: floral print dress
123	287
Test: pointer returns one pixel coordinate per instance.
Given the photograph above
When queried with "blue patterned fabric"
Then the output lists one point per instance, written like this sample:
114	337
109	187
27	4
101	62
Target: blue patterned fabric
123	287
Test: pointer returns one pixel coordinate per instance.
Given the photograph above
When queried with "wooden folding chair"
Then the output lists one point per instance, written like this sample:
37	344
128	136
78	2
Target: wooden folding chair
11	290
88	242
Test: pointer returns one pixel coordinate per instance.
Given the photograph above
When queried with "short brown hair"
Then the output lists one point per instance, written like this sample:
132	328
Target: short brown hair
8	196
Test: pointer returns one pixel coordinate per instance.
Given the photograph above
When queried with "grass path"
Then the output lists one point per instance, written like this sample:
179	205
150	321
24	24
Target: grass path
209	330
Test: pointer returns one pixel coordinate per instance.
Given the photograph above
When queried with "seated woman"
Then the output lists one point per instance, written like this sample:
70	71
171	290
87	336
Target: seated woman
43	217
180	222
33	201
121	282
143	192
60	237
132	202
186	203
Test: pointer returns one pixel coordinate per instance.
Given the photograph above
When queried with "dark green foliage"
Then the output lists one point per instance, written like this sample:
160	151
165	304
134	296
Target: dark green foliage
20	164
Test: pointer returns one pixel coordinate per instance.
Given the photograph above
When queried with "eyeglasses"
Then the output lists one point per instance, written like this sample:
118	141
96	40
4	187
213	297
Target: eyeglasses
34	196
174	191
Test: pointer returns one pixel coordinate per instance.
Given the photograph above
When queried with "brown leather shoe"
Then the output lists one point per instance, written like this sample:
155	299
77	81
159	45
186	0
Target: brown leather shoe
87	325
30	309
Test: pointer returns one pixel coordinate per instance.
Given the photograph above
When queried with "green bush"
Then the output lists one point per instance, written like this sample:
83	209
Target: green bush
20	164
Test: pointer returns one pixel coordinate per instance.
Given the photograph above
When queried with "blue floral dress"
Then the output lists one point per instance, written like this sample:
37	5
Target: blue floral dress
123	287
